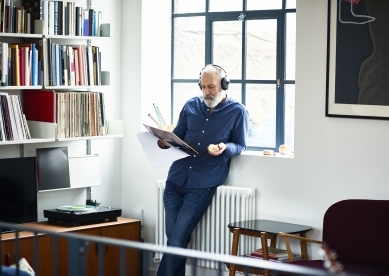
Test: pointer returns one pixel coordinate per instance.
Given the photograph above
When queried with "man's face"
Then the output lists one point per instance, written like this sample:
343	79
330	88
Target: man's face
212	92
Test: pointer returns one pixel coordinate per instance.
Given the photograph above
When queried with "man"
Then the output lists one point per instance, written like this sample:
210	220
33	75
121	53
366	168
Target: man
213	118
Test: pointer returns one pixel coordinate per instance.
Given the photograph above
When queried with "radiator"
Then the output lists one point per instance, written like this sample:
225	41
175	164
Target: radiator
230	204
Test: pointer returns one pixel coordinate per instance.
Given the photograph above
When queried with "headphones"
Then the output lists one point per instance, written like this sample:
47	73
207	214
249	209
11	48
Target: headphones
224	80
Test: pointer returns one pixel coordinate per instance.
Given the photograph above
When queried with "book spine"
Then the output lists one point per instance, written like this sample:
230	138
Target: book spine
4	64
90	11
86	22
66	20
33	60
79	21
45	15
60	18
51	18
56	18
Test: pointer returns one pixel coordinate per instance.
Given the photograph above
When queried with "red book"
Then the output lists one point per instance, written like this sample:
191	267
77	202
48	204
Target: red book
39	105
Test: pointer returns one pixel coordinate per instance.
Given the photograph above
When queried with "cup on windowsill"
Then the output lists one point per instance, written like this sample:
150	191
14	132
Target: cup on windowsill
167	127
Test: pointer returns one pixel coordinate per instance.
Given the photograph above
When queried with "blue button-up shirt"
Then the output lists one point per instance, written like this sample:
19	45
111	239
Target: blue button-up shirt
227	123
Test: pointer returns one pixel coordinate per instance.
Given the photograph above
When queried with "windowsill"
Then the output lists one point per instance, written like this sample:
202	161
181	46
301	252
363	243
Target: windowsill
260	153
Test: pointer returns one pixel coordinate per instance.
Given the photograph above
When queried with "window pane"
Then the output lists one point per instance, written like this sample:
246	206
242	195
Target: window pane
223	5
290	4
181	93
235	91
290	46
188	6
264	4
189	47
261	105
261	54
227	47
289	114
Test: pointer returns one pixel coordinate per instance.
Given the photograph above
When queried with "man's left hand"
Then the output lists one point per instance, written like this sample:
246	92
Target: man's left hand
222	147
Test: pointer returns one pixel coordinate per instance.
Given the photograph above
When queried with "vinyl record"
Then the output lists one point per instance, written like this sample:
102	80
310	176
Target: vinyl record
76	208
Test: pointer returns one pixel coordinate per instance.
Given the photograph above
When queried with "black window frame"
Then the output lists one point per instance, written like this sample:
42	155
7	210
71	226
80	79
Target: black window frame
210	17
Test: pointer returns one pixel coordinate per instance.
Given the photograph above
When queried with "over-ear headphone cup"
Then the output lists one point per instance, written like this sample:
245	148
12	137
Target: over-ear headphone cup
224	83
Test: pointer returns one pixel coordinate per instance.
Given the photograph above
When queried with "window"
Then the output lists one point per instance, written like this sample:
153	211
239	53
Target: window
254	41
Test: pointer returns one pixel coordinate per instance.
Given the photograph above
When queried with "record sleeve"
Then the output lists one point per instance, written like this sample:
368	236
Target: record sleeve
52	168
170	138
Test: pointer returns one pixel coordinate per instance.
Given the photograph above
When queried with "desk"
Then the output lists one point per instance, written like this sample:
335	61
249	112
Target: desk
255	228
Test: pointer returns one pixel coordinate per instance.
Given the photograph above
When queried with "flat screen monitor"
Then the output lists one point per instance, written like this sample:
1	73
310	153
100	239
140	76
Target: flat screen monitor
18	190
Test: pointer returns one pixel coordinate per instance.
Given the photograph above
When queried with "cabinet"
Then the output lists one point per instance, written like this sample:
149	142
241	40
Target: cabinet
45	131
124	228
6	252
26	250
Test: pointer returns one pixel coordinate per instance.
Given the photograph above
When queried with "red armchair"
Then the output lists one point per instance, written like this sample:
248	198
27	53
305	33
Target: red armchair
358	230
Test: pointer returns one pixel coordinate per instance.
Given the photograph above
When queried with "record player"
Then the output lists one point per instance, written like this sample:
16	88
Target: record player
82	214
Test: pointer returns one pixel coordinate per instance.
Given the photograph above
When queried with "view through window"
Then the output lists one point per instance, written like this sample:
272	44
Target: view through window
254	41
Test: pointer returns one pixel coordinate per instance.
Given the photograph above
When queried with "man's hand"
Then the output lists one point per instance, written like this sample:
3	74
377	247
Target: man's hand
162	144
216	150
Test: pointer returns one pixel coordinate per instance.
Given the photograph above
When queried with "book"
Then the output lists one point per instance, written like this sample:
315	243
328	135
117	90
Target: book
4	64
3	134
274	259
39	105
272	252
6	118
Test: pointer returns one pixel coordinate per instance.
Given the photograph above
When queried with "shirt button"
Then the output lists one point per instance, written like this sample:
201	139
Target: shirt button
203	131
206	119
198	143
194	155
190	167
208	109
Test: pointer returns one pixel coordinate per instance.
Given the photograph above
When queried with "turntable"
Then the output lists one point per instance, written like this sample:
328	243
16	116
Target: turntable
82	214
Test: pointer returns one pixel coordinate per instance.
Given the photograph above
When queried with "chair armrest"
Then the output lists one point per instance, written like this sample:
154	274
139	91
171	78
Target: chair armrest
301	239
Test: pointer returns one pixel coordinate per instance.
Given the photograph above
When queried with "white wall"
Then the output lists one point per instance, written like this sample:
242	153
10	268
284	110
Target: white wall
335	158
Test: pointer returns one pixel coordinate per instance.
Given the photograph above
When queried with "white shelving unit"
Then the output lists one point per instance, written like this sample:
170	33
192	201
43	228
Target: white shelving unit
42	132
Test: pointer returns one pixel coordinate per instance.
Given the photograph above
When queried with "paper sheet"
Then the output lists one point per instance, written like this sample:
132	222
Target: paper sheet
158	157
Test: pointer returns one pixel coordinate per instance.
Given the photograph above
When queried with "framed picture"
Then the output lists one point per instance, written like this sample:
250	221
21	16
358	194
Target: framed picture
358	59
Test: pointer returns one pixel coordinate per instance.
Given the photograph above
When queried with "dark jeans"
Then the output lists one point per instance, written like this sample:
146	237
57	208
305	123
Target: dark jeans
184	208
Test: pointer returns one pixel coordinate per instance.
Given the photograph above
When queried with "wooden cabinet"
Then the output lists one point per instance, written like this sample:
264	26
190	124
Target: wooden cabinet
53	253
26	250
112	253
6	252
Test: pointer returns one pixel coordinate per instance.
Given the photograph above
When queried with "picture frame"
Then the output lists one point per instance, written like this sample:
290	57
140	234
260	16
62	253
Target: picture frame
358	59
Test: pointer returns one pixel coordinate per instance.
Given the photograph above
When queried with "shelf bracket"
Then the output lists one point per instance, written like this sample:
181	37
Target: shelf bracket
21	150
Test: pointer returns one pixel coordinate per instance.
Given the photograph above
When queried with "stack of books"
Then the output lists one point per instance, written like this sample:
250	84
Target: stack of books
274	254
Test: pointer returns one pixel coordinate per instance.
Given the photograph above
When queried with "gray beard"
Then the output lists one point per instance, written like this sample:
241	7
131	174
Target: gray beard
212	101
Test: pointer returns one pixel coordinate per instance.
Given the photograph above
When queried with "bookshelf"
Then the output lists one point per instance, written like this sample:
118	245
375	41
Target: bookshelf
96	81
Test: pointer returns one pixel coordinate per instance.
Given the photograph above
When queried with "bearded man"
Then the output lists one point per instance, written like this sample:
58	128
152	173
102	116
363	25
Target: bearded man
211	119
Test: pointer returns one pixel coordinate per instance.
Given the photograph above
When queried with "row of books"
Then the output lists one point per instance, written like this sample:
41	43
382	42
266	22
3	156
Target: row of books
64	18
76	113
56	17
13	124
19	64
274	254
42	62
19	16
72	64
15	19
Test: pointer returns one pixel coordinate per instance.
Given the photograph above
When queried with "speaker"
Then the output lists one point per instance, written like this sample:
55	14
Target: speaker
224	82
